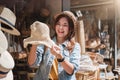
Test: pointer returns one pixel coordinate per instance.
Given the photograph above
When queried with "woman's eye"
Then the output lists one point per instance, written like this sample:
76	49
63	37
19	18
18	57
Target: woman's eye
57	24
65	25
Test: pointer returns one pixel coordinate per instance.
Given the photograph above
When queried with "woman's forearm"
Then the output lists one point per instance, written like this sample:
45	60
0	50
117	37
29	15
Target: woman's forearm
68	67
32	55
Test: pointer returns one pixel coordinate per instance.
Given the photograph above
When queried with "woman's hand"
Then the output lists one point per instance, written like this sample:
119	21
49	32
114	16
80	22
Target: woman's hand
55	50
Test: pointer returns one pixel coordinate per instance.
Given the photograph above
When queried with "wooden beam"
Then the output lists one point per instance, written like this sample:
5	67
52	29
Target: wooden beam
85	2
92	5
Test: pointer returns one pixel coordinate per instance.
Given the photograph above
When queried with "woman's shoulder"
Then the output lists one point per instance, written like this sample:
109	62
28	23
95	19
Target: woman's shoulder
77	45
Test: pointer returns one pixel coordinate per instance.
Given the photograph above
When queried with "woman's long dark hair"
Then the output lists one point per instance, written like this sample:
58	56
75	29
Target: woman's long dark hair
71	32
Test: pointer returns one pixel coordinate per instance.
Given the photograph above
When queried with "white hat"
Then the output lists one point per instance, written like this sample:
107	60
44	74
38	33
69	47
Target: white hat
8	18
9	76
3	42
6	65
40	34
6	60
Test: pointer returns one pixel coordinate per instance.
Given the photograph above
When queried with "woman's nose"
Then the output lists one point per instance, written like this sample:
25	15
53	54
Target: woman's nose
61	27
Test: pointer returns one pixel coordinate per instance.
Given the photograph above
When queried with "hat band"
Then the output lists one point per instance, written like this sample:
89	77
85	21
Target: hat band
6	21
1	72
3	69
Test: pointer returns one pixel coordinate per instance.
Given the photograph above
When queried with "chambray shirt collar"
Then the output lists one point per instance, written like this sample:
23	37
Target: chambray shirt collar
64	44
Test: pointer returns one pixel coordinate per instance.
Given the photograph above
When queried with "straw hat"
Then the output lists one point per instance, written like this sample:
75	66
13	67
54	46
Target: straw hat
70	14
8	18
6	65
3	42
40	34
9	76
6	60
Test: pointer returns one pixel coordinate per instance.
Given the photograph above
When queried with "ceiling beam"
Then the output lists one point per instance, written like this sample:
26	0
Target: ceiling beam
92	5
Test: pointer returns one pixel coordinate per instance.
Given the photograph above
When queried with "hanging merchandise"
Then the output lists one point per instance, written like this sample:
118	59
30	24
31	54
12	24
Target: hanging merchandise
7	21
80	31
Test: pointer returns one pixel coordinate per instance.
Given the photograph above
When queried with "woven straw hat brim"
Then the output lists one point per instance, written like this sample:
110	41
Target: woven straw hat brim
30	40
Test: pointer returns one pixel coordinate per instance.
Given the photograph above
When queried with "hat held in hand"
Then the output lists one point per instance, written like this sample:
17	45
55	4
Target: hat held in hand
7	20
40	34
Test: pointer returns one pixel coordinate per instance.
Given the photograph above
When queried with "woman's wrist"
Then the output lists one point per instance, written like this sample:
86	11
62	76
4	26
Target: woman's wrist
60	58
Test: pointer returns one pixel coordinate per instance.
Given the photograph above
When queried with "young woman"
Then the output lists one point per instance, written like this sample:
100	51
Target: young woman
67	54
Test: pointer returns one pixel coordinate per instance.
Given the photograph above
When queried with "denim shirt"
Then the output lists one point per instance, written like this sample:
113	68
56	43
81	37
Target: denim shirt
44	61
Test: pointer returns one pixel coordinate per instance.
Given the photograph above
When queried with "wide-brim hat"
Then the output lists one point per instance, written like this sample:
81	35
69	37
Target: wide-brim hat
6	61
6	65
9	76
3	42
7	20
40	34
69	14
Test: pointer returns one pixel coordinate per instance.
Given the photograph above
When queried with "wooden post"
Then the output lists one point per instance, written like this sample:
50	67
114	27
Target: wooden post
80	32
65	5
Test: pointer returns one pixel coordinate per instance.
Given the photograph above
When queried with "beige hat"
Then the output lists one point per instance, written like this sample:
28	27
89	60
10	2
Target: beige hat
70	14
6	65
9	76
6	61
8	18
40	34
3	42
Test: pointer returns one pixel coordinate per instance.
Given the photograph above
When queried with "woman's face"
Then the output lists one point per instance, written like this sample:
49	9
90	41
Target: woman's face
62	28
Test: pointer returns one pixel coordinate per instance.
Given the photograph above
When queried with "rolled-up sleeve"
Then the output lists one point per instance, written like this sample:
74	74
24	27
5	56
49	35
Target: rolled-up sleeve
75	57
39	52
